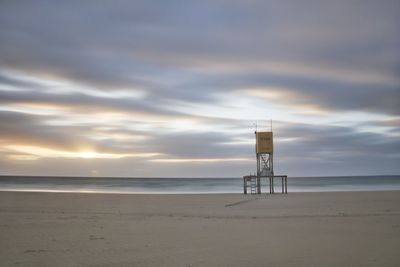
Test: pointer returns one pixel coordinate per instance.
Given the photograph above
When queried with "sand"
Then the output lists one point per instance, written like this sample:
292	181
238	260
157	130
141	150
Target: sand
298	229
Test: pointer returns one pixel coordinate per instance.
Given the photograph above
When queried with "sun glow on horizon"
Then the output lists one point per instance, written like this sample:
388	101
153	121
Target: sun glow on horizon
34	152
87	154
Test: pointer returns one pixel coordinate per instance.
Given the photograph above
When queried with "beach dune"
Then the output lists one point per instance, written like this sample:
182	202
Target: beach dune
298	229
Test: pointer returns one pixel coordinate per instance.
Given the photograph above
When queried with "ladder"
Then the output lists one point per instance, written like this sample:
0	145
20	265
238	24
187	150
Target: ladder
252	180
253	185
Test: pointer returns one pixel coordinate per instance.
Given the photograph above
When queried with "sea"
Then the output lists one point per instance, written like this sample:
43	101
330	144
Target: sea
191	185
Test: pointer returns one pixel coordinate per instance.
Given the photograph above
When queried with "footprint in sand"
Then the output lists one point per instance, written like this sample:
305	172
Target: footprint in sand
92	237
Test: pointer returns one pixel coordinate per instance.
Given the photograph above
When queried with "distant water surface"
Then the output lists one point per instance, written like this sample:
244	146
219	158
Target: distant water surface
191	185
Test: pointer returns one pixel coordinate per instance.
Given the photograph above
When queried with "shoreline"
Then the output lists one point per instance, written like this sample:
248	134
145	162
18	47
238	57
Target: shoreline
192	185
182	177
189	193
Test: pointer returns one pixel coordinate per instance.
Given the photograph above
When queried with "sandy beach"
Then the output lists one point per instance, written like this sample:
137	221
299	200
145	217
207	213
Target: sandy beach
298	229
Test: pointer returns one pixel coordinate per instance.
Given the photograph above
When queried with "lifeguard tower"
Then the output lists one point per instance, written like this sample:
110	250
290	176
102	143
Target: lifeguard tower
265	166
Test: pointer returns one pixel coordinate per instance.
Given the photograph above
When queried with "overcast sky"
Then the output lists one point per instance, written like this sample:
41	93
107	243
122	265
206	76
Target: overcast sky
174	88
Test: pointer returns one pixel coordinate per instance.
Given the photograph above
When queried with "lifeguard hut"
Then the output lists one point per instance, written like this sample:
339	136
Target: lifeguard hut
265	165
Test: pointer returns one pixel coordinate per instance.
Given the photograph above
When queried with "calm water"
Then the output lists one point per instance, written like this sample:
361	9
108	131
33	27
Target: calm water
191	185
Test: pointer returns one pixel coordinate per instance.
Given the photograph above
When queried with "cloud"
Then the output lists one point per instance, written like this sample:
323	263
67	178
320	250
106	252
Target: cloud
336	142
185	81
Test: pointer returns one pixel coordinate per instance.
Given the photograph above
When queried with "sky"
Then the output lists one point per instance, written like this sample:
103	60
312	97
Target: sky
177	88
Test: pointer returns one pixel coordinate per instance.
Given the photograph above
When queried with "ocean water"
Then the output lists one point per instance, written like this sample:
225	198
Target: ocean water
191	185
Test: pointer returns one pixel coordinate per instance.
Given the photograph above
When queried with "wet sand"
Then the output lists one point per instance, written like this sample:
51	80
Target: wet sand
298	229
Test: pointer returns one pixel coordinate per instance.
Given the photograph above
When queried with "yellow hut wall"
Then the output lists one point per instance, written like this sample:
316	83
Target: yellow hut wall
264	142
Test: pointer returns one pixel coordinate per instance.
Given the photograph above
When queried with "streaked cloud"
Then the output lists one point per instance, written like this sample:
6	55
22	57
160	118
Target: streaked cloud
155	88
206	160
